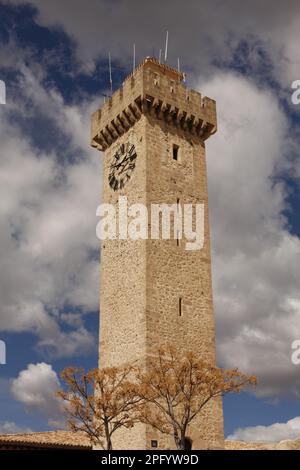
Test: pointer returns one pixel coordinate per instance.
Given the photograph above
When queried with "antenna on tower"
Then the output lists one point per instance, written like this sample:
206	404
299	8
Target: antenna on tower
159	57
110	74
133	56
166	48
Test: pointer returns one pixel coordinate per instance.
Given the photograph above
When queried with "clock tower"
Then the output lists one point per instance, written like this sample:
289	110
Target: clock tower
155	292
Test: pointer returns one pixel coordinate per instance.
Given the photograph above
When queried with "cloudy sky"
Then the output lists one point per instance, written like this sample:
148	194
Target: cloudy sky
53	58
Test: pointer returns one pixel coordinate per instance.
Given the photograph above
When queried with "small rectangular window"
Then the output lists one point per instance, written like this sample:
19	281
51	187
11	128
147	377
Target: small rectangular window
180	307
178	233
175	152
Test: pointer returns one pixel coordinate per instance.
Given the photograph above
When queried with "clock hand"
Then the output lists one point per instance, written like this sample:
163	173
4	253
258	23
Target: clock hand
129	158
119	164
128	166
115	166
123	164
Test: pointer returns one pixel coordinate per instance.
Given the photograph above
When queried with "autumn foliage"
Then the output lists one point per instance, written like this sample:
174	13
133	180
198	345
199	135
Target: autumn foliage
176	388
100	402
168	396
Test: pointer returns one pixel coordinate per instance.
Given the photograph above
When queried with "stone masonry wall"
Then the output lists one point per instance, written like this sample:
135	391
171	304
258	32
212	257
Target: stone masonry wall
142	281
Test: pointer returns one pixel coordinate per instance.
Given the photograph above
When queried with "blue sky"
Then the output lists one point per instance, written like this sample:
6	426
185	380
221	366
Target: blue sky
54	64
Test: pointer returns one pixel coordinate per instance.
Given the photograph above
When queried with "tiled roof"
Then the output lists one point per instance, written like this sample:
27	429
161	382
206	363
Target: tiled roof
79	441
282	445
52	439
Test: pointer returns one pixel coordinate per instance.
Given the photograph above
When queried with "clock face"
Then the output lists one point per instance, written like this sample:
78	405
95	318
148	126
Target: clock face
122	166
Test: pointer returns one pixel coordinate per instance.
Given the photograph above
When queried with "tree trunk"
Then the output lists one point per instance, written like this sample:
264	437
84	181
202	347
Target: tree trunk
108	436
109	444
179	440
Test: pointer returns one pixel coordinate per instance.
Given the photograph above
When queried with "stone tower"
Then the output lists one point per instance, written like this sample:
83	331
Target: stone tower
154	292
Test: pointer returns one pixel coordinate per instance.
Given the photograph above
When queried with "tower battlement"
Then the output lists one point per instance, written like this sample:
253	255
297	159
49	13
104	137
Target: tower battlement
157	89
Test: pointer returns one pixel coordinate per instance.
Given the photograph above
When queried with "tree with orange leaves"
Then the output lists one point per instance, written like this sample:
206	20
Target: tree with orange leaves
100	402
175	389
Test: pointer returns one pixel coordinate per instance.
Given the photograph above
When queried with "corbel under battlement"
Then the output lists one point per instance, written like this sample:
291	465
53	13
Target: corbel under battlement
158	90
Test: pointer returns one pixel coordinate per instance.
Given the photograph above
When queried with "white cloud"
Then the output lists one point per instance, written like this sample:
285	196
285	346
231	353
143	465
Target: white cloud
9	427
47	209
207	26
255	258
274	433
36	388
68	345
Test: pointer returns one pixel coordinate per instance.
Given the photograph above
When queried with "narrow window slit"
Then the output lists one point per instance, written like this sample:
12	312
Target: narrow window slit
175	152
180	306
178	234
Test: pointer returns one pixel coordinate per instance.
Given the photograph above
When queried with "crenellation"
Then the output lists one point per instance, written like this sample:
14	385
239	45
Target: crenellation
151	91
